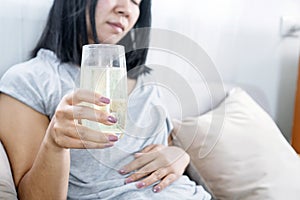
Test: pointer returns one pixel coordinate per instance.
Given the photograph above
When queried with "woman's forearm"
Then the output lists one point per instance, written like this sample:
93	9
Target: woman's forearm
48	174
48	177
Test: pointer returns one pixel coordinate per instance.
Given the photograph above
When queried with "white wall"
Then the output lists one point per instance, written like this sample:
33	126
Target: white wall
21	23
243	39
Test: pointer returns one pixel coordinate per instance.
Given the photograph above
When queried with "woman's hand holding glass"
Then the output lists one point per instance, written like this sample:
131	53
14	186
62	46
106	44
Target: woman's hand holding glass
65	132
157	163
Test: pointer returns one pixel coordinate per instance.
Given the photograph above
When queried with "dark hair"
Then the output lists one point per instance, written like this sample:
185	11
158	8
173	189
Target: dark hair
65	34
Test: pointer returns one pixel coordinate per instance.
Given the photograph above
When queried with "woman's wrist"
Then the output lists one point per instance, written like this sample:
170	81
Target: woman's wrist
50	144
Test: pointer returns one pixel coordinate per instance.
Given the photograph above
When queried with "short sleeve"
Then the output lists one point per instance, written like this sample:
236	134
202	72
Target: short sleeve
41	82
19	83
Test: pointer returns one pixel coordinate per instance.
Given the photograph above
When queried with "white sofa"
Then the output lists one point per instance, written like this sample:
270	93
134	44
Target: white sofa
7	187
183	97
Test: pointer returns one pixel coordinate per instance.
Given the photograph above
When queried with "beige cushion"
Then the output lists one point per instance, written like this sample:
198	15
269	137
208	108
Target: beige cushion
7	187
240	153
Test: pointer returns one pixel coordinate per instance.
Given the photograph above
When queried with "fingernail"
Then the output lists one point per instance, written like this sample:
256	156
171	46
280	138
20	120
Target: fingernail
104	100
111	119
140	184
156	189
122	171
128	180
112	138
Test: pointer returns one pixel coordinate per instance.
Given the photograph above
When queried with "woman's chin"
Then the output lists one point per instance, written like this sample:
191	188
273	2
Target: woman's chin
111	40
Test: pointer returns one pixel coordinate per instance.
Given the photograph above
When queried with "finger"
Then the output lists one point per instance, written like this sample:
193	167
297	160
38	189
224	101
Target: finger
168	180
85	112
87	134
141	173
83	95
81	132
149	148
153	178
137	164
74	143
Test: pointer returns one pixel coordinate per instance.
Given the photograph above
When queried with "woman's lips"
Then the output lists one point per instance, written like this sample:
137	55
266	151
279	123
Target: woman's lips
118	27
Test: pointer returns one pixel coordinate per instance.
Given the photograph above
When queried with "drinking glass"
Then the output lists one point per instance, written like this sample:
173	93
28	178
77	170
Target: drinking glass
103	70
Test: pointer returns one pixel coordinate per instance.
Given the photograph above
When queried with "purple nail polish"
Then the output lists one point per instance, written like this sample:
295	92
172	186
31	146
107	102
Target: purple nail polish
156	189
111	119
122	171
140	185
104	100
128	180
112	138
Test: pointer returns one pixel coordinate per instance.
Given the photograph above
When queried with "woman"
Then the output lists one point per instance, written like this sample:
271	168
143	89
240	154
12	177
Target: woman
52	156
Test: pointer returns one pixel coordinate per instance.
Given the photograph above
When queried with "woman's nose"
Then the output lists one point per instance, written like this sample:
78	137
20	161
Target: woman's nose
123	7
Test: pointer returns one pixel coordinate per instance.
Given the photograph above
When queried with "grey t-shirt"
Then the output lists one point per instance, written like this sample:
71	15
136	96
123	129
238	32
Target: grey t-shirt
41	83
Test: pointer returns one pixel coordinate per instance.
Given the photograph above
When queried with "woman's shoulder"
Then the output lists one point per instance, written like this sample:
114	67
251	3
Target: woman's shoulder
39	81
28	69
42	68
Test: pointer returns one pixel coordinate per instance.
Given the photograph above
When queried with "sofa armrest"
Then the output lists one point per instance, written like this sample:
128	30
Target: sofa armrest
7	186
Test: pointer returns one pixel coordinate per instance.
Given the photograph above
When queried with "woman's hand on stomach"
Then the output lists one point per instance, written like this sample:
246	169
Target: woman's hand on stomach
156	163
